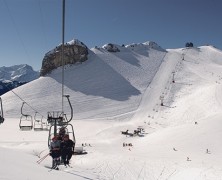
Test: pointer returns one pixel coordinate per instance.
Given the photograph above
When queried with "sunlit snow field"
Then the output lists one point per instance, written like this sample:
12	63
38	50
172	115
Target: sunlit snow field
113	92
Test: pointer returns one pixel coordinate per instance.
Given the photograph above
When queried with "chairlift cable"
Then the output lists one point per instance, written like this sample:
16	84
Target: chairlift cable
23	100
42	23
17	30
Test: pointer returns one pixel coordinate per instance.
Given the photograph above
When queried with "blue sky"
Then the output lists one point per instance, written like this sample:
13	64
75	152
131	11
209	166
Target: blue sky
30	28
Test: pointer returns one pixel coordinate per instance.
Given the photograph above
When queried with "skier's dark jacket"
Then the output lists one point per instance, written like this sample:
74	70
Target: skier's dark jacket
67	145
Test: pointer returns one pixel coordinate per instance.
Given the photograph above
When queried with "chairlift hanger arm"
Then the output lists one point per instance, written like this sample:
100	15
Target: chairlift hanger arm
1	108
22	109
1	115
67	96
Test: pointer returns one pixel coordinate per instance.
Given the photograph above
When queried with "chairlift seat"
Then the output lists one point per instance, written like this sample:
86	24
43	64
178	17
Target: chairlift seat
26	128
26	123
38	129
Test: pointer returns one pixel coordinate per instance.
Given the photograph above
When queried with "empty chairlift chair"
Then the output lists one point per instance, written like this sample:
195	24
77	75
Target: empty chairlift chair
45	125
26	122
38	124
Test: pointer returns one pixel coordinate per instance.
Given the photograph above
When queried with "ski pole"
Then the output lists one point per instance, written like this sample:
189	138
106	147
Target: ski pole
41	152
40	160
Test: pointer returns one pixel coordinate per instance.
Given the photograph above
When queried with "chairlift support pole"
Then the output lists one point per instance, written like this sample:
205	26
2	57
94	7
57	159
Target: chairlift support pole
62	56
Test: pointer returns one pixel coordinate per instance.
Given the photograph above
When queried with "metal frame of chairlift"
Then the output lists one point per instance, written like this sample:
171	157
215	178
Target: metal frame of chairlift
1	114
57	120
26	121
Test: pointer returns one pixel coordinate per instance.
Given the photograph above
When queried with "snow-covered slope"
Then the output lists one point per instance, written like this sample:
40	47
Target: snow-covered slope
108	85
116	91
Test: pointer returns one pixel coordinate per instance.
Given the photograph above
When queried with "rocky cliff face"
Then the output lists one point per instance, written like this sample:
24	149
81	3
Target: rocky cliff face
74	51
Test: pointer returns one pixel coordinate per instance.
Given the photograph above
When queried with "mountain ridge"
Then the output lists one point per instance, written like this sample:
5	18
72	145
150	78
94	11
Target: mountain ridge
15	76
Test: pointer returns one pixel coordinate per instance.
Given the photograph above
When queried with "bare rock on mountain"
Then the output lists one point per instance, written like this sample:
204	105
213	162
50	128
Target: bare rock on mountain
74	51
111	47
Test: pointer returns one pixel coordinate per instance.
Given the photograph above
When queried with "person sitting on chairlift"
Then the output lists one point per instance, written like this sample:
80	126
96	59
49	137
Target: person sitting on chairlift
62	132
55	151
67	149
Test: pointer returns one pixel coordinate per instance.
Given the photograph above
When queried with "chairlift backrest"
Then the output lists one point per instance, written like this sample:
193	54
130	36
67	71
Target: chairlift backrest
38	125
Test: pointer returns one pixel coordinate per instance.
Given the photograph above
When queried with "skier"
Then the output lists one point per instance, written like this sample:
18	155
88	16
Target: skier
55	152
67	149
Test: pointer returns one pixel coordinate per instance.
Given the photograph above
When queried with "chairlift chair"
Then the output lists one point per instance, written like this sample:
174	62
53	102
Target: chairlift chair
59	120
1	112
45	126
26	122
68	130
38	125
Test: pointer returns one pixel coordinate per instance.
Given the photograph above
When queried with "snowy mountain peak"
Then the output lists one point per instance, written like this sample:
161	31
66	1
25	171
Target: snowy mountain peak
76	42
134	46
22	73
145	45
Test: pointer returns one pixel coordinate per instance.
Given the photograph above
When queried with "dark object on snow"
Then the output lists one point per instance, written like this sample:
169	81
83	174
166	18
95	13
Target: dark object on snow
207	151
1	114
137	132
127	133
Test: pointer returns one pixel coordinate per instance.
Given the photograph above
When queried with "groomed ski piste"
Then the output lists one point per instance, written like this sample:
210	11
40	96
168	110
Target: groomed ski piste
118	91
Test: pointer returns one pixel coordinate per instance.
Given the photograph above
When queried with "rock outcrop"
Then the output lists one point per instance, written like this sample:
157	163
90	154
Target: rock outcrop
74	51
111	47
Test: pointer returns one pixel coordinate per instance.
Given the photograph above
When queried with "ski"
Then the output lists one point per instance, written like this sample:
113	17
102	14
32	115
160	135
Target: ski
67	165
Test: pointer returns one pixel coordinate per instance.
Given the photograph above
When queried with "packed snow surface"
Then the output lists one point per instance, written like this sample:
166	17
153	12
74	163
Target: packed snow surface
119	91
